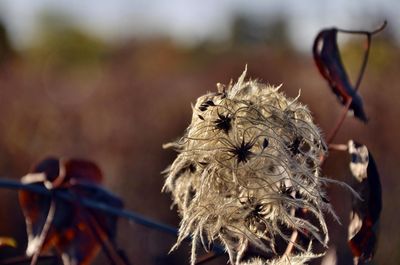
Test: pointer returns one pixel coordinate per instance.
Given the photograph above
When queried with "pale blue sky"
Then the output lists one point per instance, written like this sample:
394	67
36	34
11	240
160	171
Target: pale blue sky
188	21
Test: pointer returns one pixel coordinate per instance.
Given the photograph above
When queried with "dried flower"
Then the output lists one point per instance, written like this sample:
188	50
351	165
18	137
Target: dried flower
247	162
285	260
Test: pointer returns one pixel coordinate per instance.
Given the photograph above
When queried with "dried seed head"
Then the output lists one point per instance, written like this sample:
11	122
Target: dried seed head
285	260
255	156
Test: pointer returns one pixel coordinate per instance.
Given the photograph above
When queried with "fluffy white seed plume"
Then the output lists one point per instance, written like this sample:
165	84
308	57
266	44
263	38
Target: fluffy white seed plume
247	162
285	260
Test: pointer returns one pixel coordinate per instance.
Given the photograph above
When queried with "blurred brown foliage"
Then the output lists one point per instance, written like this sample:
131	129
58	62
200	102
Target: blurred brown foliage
72	95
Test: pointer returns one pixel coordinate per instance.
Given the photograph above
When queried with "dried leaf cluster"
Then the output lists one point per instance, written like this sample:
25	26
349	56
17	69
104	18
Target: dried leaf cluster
74	231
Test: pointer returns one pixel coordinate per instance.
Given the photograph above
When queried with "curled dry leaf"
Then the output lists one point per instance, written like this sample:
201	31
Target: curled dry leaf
327	58
72	231
365	214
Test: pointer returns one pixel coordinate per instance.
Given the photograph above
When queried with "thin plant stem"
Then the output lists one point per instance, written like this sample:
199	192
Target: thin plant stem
365	32
92	204
294	235
338	147
338	123
364	64
342	117
108	248
45	231
291	243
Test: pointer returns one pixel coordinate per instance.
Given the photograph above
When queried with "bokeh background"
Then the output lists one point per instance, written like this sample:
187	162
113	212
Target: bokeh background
112	81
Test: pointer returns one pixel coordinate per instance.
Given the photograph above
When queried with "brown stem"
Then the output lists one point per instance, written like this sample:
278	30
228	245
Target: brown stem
381	27
291	243
109	248
364	64
335	130
294	235
338	147
97	232
341	119
339	122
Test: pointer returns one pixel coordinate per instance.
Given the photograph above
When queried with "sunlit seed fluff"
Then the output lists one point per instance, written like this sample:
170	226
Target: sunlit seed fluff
248	159
284	260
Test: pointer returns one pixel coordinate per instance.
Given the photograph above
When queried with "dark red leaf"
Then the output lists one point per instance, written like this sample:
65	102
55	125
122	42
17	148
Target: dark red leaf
365	213
327	58
75	231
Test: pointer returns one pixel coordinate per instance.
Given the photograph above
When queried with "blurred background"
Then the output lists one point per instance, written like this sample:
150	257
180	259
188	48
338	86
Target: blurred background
112	81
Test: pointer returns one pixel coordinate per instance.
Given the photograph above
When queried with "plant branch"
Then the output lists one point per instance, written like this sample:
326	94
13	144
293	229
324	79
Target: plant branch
92	204
366	54
94	226
365	32
364	64
291	243
341	119
108	247
294	235
45	231
339	122
338	147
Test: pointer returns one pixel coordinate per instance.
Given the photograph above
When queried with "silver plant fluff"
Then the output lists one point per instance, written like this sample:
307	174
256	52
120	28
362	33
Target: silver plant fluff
285	260
247	162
